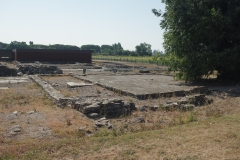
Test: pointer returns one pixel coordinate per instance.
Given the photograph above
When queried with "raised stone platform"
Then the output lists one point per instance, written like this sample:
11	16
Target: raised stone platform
144	86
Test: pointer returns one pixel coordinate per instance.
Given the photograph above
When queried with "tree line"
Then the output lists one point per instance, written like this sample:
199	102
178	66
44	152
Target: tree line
24	45
116	49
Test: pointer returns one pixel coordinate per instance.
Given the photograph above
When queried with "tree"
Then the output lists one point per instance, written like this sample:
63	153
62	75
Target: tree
201	37
157	52
3	45
96	48
105	46
117	49
144	49
63	47
106	49
127	53
17	45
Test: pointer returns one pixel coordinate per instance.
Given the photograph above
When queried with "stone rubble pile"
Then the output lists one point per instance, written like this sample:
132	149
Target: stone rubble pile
14	130
39	69
185	104
108	108
6	71
103	122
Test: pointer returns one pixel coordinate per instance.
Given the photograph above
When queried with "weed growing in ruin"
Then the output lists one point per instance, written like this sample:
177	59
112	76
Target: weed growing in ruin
150	97
191	117
46	100
104	111
80	133
66	93
68	121
34	86
213	111
98	91
183	118
130	99
119	92
103	132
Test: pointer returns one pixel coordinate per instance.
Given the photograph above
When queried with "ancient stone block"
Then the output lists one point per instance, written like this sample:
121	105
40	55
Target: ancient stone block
93	115
73	84
91	108
138	120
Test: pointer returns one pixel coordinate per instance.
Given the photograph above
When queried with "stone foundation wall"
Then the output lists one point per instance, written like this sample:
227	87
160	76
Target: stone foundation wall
109	108
39	69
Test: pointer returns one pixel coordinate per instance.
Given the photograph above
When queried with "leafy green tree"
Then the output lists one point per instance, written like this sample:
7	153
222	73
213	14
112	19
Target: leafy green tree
117	49
3	45
202	36
157	52
17	45
105	46
96	48
127	53
133	53
63	47
144	49
106	49
114	49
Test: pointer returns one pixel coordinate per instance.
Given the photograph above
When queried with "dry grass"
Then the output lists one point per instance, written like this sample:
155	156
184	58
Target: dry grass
214	138
208	132
48	115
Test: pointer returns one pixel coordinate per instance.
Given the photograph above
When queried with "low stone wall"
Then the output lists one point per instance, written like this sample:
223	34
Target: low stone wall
184	104
107	107
38	69
53	93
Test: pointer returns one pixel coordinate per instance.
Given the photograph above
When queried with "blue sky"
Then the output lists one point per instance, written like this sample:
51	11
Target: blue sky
80	22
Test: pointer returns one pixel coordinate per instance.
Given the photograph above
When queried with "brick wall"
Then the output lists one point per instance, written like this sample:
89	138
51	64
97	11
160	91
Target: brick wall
52	55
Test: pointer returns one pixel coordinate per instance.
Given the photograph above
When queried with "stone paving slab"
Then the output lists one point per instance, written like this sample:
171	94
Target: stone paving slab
13	80
74	84
138	85
4	88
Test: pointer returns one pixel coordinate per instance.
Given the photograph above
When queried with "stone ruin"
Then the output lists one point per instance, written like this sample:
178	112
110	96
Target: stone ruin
184	104
99	110
108	108
31	69
6	71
